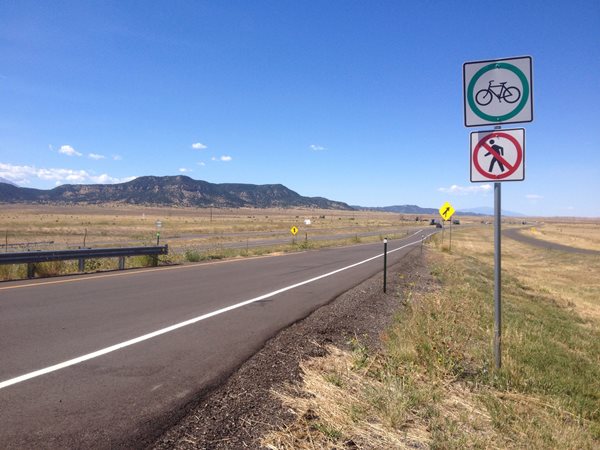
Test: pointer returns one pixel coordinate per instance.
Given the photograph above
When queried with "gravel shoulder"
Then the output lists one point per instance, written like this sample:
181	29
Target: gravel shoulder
241	410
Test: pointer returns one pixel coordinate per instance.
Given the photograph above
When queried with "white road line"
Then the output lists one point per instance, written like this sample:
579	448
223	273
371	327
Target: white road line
176	326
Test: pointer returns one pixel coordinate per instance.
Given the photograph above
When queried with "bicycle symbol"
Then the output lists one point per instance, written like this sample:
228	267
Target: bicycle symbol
509	94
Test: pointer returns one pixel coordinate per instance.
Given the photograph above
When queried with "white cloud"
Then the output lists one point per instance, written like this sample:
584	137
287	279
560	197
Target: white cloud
199	146
96	156
24	174
117	157
201	164
316	147
107	179
224	158
533	197
68	150
185	170
467	190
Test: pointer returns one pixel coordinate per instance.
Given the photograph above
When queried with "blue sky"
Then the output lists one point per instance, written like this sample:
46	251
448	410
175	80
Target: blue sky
355	101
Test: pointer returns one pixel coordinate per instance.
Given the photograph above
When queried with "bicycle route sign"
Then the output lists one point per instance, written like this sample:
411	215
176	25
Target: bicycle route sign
498	91
498	155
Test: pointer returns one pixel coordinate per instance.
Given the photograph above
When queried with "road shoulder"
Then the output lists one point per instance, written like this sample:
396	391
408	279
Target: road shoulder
240	411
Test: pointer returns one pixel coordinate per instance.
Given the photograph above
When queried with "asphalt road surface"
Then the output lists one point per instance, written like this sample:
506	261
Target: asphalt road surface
111	359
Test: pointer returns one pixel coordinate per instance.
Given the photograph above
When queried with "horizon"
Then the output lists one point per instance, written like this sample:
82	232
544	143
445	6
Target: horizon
356	103
473	210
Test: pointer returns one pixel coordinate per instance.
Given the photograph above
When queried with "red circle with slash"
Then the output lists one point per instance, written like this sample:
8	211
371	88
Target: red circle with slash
482	144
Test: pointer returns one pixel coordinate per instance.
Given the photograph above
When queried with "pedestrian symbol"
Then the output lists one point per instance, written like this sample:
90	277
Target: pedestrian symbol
497	150
498	91
446	211
498	155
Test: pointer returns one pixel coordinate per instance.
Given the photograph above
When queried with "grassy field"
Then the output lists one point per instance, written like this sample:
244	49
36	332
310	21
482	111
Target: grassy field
193	234
576	233
68	226
434	386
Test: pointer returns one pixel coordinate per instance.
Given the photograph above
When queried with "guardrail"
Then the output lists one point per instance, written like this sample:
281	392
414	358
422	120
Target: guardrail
32	257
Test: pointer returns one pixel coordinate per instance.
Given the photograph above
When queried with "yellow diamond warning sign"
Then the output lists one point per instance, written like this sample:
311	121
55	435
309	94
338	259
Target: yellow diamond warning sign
446	211
294	230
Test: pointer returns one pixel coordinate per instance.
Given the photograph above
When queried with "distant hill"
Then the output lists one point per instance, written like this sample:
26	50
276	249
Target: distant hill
489	211
402	209
4	180
170	191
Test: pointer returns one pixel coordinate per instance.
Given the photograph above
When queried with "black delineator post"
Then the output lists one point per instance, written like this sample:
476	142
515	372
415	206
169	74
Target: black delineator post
385	265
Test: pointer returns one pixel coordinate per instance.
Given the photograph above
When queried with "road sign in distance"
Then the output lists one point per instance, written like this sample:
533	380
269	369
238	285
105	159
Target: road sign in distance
498	91
446	211
294	230
498	155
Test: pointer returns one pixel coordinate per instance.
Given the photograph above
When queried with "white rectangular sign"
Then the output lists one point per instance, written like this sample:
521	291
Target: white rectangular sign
498	155
497	92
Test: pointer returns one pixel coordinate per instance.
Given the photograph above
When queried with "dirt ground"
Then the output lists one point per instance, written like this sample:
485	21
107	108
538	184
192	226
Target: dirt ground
236	414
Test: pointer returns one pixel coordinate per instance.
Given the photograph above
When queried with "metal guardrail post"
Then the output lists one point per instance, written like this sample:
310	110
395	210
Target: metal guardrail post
121	262
30	270
81	265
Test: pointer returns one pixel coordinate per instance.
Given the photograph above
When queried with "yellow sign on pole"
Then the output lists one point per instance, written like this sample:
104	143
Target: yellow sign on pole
446	211
294	230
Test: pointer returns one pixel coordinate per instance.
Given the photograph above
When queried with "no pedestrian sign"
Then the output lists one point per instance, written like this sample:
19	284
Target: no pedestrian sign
498	91
498	155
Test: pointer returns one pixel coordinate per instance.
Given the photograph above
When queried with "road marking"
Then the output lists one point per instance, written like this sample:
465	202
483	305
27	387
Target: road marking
176	326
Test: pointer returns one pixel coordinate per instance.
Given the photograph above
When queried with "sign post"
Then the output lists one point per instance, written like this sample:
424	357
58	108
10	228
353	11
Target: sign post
497	276
498	92
158	224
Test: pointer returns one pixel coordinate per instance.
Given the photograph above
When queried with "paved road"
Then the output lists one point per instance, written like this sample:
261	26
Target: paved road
517	235
111	359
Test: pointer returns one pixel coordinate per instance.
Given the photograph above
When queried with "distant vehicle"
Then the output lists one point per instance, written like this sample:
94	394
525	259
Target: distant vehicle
438	225
456	222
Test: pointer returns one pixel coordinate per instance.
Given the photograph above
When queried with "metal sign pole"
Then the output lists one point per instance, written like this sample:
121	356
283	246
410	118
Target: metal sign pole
497	277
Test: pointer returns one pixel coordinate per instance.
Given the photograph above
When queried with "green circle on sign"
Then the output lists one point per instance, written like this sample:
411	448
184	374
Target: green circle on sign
486	69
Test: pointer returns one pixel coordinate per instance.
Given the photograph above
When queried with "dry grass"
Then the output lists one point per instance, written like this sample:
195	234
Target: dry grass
335	411
569	279
580	234
435	387
68	226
